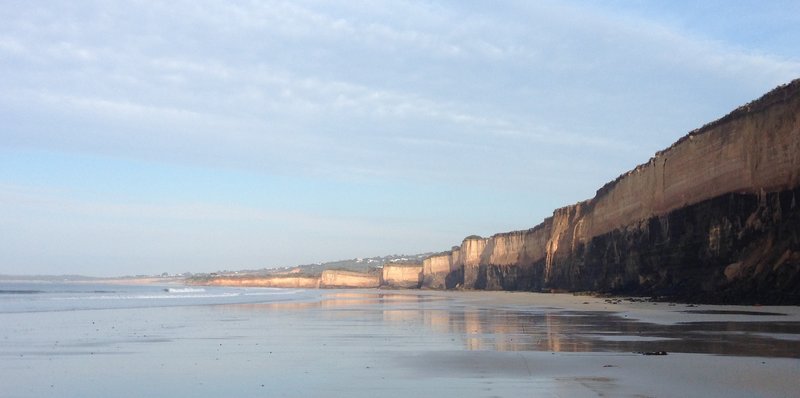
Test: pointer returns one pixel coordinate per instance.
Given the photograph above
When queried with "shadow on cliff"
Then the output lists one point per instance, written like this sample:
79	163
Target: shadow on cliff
735	248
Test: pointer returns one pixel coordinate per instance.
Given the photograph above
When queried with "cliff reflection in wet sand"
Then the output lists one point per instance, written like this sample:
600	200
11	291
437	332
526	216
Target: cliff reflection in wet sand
553	329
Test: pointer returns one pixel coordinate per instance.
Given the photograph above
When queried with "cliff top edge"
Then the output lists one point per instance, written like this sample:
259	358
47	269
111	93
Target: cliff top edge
780	94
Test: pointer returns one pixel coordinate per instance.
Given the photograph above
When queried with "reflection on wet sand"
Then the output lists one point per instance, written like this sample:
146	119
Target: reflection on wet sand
566	331
508	331
336	300
549	329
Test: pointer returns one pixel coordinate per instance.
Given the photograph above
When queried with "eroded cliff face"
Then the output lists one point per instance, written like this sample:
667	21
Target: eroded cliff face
435	270
402	275
712	217
348	279
515	260
736	247
469	259
754	149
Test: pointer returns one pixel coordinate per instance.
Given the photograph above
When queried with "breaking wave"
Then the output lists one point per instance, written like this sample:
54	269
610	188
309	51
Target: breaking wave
184	290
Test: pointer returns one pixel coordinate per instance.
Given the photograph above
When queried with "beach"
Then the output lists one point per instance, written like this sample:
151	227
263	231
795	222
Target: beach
250	342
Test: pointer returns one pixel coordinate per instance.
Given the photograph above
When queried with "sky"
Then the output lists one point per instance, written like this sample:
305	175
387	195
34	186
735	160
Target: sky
143	137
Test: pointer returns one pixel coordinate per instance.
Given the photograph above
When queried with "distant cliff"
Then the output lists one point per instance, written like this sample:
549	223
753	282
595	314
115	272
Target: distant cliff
714	217
402	275
344	279
304	282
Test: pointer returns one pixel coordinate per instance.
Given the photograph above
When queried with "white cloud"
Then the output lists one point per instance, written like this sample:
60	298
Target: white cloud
227	95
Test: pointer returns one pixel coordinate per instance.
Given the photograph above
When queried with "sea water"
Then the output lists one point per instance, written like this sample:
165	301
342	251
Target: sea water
107	340
34	296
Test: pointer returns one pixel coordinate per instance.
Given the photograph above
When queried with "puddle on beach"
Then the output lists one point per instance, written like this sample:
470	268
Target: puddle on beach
553	329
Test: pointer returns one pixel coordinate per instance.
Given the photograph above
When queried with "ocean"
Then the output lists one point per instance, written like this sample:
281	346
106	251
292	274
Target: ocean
16	297
109	340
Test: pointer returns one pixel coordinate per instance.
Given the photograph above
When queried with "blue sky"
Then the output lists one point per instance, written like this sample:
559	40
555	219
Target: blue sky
140	137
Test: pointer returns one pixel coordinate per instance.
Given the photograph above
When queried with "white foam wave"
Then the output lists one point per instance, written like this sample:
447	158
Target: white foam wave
150	296
184	290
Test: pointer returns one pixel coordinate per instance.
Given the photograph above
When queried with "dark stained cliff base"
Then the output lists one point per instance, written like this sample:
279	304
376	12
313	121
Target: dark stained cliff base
735	248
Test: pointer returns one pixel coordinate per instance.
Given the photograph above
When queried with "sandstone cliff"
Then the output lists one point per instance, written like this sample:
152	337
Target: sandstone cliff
348	279
402	275
712	217
304	282
437	268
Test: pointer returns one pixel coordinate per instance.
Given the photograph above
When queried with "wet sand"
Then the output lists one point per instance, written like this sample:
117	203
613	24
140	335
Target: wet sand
367	343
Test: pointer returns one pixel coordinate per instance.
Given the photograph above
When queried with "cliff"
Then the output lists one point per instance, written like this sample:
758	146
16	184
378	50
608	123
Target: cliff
713	217
402	275
328	279
437	268
304	282
348	279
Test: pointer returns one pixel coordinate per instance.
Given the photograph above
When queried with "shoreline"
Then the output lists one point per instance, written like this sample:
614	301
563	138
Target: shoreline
662	312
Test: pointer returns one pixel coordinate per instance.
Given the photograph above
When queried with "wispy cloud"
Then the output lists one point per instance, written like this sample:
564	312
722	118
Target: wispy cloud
230	96
496	97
